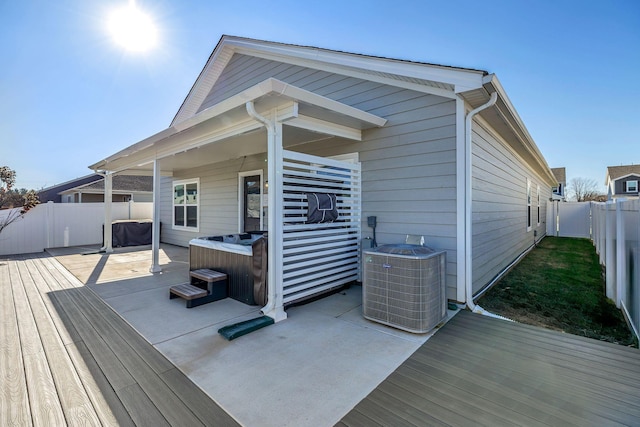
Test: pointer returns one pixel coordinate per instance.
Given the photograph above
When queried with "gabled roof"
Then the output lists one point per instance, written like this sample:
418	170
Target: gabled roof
616	172
473	86
560	174
121	183
441	79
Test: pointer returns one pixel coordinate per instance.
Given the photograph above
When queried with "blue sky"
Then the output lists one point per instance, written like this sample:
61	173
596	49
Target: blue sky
69	96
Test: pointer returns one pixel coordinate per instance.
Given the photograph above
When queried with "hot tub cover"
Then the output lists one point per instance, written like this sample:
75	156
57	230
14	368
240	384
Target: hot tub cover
131	233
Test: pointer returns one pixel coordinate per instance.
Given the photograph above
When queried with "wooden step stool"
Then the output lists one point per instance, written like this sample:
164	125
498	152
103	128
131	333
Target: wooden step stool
195	295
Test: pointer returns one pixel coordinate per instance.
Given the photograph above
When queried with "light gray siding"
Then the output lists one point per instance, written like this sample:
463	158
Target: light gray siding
408	167
218	199
243	71
408	170
408	173
500	205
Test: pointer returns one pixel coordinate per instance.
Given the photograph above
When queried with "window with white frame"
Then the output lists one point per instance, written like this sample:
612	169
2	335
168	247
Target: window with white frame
631	186
538	195
186	204
528	205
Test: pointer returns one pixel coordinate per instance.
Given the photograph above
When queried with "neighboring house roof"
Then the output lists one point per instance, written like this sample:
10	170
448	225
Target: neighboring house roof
121	184
474	86
52	194
560	174
616	172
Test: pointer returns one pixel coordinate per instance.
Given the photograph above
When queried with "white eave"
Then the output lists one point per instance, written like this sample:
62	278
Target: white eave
295	106
505	119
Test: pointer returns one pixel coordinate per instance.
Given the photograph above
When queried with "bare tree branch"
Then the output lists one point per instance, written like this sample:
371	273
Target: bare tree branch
584	190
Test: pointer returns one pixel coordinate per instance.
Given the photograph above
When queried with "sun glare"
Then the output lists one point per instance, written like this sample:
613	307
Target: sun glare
132	29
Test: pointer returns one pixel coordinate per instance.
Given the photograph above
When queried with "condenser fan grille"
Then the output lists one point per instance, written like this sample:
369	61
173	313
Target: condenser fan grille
404	291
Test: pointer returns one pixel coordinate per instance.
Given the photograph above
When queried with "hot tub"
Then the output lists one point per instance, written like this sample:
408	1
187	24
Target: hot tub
230	254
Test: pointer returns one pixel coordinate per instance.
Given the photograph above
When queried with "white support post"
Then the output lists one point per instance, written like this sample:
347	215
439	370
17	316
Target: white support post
108	195
155	230
275	220
275	299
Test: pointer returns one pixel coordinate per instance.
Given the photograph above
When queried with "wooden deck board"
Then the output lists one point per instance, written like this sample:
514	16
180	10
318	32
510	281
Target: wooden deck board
108	406
143	411
39	285
468	380
500	373
578	352
68	358
155	359
132	362
14	399
210	415
75	403
605	375
44	402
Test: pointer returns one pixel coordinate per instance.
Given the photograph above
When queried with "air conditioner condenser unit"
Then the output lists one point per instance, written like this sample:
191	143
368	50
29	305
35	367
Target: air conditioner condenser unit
403	286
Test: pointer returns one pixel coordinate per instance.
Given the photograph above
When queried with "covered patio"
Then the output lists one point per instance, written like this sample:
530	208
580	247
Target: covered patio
270	119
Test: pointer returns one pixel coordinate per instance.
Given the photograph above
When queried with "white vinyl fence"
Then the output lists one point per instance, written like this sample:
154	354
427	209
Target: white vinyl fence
54	225
569	219
616	236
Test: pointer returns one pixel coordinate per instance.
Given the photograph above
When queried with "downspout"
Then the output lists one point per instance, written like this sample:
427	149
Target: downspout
270	309
468	200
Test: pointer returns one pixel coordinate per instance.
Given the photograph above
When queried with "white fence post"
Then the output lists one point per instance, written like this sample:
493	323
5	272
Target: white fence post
49	221
610	256
621	267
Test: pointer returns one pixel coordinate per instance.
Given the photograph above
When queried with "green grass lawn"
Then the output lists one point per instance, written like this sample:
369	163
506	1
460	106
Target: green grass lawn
560	285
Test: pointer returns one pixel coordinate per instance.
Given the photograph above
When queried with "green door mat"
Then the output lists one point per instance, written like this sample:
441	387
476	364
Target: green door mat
236	330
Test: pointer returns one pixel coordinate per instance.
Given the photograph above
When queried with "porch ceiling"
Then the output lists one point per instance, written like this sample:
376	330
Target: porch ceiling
226	131
250	143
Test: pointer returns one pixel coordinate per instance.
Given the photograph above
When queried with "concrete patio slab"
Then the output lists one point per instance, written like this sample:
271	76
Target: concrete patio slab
159	319
309	370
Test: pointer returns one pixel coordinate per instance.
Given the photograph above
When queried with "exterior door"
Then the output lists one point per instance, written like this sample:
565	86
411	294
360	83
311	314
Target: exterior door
251	201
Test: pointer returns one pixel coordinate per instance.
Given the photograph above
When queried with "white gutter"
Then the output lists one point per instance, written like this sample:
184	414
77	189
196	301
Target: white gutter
271	309
468	200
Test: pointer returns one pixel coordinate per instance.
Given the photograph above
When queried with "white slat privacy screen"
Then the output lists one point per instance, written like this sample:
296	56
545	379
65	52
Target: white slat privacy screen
318	257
